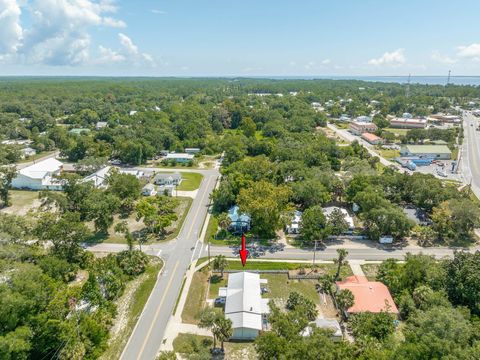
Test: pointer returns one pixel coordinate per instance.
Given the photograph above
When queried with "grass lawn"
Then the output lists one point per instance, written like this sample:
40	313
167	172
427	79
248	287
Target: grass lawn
280	287
196	297
455	153
22	201
216	282
172	231
397	132
130	306
388	153
191	181
189	344
370	271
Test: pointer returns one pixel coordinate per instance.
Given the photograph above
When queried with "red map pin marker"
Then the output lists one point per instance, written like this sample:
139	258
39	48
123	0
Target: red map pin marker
243	251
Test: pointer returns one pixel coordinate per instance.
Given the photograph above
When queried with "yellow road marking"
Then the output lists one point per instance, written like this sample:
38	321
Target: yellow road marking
147	336
196	213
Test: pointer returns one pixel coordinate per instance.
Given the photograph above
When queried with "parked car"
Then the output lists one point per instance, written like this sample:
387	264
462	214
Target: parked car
220	301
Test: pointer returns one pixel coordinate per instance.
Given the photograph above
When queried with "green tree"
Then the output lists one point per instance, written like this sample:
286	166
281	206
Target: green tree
7	174
157	212
296	300
220	263
336	223
266	204
248	127
222	329
345	300
224	222
341	260
376	325
313	226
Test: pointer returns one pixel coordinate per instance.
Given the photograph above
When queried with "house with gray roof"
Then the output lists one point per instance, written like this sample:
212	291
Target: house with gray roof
244	305
167	179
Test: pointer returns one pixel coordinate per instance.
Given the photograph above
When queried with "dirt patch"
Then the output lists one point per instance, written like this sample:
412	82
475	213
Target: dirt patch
327	309
123	305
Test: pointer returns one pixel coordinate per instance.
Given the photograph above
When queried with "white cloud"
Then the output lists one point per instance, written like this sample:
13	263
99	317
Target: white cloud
128	44
443	59
133	53
394	58
326	62
158	12
471	51
108	56
10	29
111	22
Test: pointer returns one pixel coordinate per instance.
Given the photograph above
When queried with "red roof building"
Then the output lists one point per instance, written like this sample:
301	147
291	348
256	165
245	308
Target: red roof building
372	138
370	296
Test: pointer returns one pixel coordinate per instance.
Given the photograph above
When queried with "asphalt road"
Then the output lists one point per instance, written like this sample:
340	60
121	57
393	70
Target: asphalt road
470	163
148	334
373	253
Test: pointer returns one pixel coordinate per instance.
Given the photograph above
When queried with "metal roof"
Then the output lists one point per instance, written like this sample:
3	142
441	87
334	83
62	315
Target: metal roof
428	149
244	305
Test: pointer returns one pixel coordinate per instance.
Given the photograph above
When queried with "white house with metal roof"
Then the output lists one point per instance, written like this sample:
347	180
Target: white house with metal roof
39	176
244	305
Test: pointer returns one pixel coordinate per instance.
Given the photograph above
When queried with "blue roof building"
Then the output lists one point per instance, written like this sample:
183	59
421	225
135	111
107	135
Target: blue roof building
240	222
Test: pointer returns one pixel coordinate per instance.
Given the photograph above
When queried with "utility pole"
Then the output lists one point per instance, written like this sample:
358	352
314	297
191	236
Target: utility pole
314	251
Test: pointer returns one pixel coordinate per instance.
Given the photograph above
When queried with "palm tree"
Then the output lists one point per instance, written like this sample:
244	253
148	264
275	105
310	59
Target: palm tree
220	263
345	301
223	329
208	317
122	227
325	282
224	222
340	261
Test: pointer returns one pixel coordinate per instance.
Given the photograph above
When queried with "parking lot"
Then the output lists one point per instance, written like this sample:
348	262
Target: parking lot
441	169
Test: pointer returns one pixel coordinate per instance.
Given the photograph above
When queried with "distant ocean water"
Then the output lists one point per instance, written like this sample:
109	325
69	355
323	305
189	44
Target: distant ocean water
424	80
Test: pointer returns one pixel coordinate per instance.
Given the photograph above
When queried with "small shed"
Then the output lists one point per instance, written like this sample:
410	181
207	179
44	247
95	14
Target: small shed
148	190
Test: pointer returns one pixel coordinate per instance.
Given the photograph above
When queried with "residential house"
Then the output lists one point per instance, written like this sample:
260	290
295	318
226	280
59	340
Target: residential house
179	157
358	128
39	176
148	190
100	125
327	211
28	151
439	152
192	150
363	119
167	179
79	131
166	190
99	178
327	324
244	305
369	296
239	223
294	226
137	173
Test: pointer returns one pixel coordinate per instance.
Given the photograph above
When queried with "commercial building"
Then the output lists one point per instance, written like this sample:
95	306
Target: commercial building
408	123
39	176
369	296
372	138
440	152
244	305
442	118
360	127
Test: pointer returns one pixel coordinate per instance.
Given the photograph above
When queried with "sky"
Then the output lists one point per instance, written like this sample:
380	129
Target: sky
239	37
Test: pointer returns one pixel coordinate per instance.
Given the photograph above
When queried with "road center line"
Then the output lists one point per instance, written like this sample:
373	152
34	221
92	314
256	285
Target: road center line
147	336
